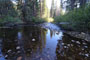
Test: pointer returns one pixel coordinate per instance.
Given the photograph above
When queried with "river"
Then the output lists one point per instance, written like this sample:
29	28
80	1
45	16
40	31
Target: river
45	42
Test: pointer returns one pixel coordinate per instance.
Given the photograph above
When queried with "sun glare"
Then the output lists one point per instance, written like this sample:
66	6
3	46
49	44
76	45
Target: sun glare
48	3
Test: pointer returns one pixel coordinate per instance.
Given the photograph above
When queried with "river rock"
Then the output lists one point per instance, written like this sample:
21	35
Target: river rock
6	56
78	42
33	40
18	47
68	45
82	35
63	44
73	40
9	51
87	55
85	46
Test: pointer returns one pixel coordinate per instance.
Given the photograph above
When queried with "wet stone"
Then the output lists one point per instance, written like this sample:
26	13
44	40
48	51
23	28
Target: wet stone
73	40
6	56
9	51
84	43
65	47
63	44
18	52
82	48
78	42
33	40
72	45
18	47
87	55
85	46
68	45
41	58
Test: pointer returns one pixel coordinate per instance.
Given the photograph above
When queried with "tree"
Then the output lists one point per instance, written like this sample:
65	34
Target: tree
7	11
29	9
52	11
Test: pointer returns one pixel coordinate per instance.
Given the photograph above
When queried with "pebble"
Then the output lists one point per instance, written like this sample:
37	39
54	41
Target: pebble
71	44
78	42
86	46
41	58
73	40
9	51
82	33
48	56
87	55
19	58
33	40
82	48
65	47
6	56
63	44
84	43
68	45
18	51
80	53
18	47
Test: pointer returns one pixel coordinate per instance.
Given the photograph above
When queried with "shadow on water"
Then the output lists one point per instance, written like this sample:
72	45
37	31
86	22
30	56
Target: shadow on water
37	43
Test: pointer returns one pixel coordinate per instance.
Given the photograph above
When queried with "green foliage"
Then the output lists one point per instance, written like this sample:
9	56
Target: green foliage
8	12
10	19
38	20
28	10
78	18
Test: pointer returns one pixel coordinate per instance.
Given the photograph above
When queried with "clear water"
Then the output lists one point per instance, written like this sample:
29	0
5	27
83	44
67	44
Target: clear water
41	43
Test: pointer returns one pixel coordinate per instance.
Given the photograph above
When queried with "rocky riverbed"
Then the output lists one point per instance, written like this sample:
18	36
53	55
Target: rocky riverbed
80	35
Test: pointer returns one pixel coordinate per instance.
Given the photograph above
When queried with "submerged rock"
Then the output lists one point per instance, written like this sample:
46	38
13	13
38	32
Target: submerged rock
19	58
6	56
68	45
33	40
18	47
84	43
78	42
63	44
9	51
73	40
87	55
85	46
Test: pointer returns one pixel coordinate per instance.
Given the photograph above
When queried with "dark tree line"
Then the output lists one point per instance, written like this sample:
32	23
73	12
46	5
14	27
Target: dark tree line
25	10
6	9
28	9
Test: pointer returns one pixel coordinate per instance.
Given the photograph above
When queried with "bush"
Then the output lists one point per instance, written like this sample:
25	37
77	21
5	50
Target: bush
78	18
38	20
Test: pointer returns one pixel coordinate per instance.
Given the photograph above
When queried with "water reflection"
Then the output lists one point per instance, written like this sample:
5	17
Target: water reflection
35	43
73	49
28	43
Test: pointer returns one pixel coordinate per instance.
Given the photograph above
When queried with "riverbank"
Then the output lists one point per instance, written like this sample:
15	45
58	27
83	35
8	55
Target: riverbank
80	35
77	32
10	25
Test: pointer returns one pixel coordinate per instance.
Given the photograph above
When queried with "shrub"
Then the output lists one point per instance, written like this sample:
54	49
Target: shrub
79	18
